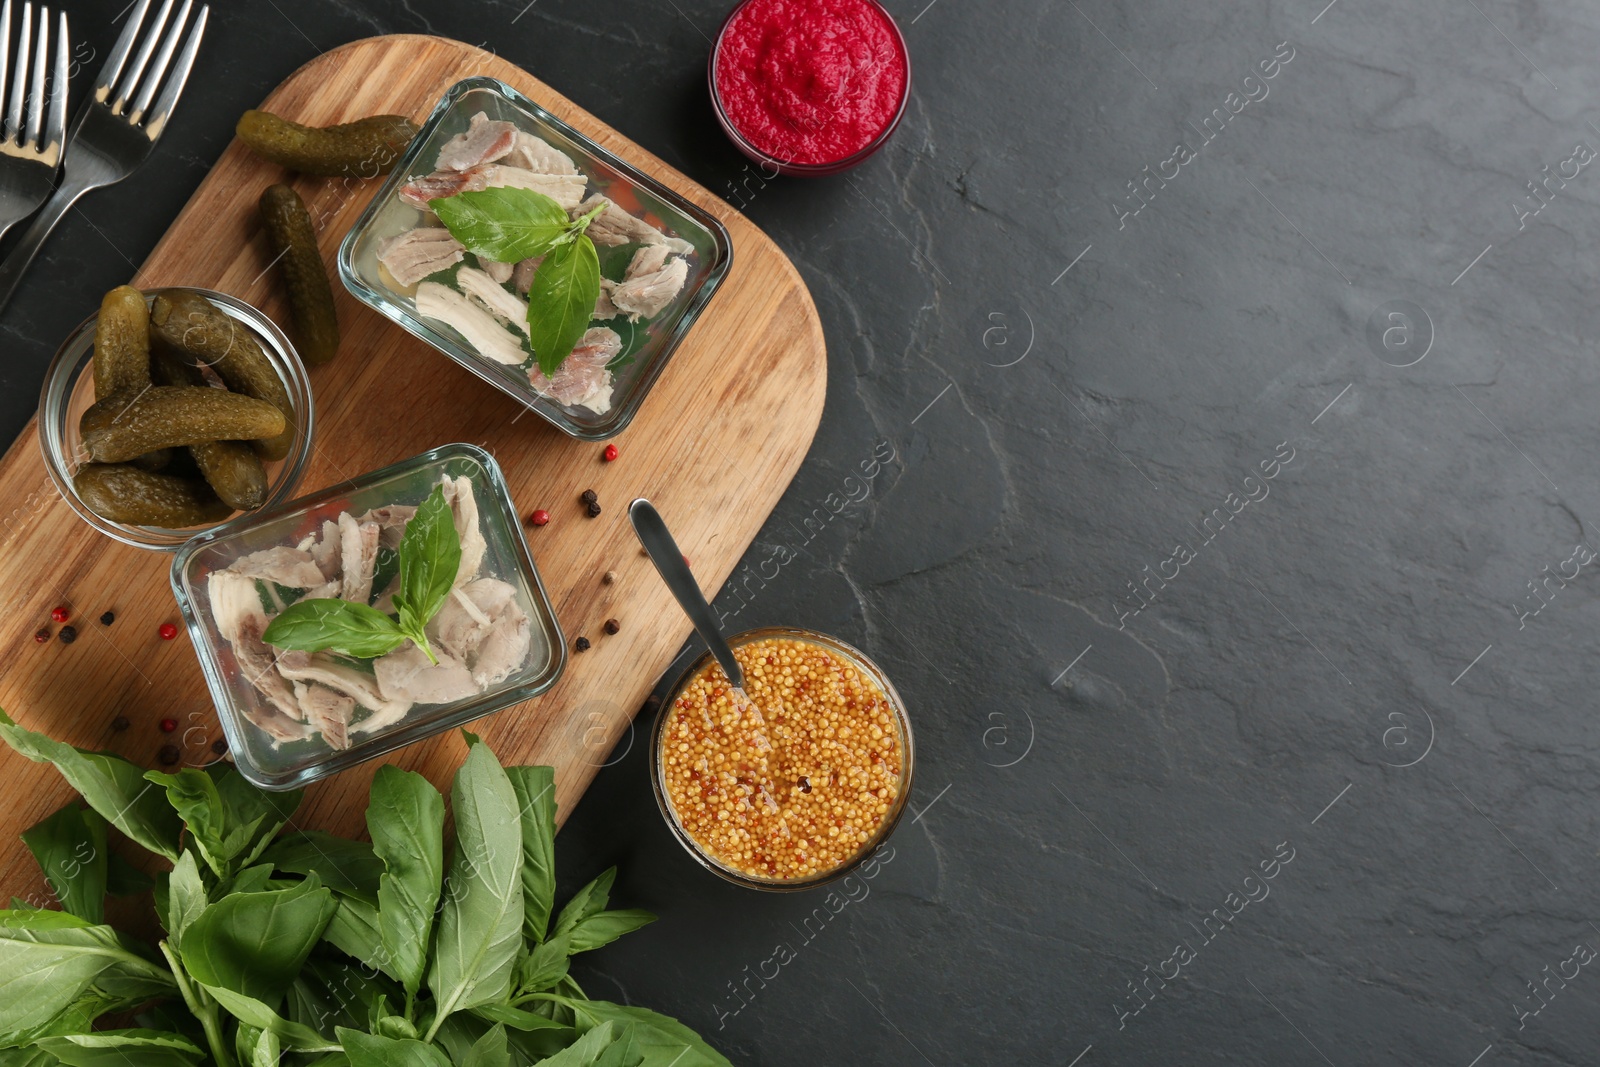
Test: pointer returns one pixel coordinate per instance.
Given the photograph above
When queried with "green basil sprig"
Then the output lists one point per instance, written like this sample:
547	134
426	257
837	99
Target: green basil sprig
508	225
430	555
313	949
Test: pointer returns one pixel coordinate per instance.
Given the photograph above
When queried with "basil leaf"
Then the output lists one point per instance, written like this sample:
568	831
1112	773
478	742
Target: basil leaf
249	1010
323	624
545	966
585	1051
405	816
333	992
605	927
119	1048
123	879
519	1018
663	1040
256	943
268	1050
480	927
370	1050
71	849
347	867
186	897
56	968
111	785
561	301
504	225
623	1052
590	900
193	795
430	556
244	805
490	1050
353	930
536	803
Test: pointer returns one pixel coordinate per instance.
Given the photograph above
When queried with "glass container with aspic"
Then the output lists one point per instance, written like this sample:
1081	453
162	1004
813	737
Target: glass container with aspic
368	616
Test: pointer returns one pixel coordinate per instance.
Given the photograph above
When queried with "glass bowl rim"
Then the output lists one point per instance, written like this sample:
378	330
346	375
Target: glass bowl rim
885	830
388	741
794	168
57	391
716	274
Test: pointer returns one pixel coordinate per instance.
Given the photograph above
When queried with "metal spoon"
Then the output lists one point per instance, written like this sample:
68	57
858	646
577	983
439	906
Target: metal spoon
664	553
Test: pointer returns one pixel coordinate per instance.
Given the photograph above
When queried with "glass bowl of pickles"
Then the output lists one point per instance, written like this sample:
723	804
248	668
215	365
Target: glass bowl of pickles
172	412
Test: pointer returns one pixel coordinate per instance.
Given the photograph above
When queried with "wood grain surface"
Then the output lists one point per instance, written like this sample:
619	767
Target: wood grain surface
715	445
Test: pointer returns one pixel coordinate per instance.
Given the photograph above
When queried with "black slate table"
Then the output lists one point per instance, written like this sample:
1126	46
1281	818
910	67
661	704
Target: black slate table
1229	370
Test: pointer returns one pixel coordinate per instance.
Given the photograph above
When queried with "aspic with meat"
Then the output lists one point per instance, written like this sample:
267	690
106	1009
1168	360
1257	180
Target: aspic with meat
486	302
477	638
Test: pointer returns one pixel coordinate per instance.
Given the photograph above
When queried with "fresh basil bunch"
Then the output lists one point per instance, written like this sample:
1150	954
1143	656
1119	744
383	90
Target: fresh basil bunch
430	555
311	949
509	225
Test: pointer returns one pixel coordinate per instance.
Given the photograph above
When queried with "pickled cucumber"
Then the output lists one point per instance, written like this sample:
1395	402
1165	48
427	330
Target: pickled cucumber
169	368
159	460
122	493
294	244
361	149
131	423
233	471
192	324
121	342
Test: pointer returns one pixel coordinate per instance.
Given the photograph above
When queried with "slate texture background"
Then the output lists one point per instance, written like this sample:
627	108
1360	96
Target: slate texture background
1350	672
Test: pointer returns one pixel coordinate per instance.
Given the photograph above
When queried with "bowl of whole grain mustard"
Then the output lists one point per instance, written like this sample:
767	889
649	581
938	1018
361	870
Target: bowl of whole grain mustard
798	784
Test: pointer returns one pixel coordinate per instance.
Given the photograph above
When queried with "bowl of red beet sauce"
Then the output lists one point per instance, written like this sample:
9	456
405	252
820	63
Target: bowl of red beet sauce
809	87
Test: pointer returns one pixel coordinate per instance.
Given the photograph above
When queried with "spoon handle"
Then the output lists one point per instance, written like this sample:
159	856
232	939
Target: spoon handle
664	553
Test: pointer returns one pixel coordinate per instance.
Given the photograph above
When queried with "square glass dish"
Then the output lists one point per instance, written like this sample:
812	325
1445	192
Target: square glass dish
646	342
293	717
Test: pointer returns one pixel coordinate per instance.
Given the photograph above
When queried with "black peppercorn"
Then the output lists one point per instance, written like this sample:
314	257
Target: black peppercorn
594	508
219	746
590	496
169	754
805	785
581	644
108	618
120	723
651	703
68	634
612	626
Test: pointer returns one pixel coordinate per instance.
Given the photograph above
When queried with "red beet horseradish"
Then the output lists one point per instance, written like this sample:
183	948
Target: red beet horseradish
809	86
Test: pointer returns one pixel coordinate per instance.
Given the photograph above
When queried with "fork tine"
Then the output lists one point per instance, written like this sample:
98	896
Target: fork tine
41	61
152	79
119	52
180	74
55	133
130	78
5	46
19	77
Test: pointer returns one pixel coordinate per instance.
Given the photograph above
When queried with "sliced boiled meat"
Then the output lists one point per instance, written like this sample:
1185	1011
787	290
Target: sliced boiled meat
615	226
651	283
406	674
582	379
285	566
477	327
485	140
415	254
532	153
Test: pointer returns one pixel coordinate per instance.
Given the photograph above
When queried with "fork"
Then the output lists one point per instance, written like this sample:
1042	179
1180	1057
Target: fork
29	156
116	129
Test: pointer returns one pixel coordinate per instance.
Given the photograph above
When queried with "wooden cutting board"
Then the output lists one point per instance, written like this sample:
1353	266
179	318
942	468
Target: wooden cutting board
715	445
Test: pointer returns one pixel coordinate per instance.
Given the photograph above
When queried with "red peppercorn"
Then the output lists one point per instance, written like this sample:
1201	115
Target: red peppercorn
60	614
42	635
610	453
540	517
168	631
686	562
168	725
